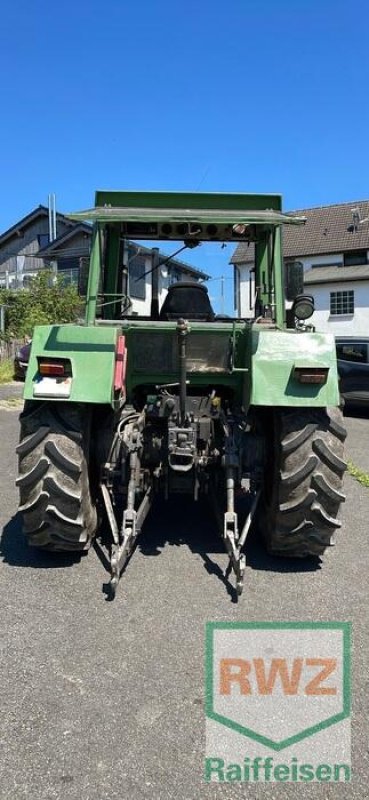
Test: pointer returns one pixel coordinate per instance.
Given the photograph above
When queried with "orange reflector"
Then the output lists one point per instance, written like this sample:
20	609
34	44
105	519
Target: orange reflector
311	374
48	368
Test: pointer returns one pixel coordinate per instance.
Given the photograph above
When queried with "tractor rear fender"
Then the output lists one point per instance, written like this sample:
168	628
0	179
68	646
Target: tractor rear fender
277	359
97	361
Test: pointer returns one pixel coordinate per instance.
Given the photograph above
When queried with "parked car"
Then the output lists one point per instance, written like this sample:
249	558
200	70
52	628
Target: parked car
21	361
353	369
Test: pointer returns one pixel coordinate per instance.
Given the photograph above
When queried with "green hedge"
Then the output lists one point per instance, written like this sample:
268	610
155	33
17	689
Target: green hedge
47	301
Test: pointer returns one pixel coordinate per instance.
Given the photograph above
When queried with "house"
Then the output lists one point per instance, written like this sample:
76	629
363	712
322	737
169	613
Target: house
67	249
333	247
20	245
27	247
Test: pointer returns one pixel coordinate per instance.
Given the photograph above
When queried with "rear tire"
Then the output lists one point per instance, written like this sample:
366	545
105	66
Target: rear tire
303	481
54	482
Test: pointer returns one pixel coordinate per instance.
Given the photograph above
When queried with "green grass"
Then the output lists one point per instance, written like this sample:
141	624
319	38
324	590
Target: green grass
359	474
6	370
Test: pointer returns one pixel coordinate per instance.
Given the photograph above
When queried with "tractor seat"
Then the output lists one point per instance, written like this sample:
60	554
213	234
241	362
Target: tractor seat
189	300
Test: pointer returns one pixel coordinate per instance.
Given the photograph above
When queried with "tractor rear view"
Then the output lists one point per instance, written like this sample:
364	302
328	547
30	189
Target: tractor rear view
124	408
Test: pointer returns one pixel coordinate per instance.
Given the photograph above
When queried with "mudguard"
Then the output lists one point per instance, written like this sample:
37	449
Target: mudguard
274	356
92	352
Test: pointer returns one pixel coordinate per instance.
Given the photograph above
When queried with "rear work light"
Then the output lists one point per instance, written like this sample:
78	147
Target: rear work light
311	374
55	368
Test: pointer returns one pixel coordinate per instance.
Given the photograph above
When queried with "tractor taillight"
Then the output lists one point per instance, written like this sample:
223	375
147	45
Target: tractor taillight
311	374
55	368
120	364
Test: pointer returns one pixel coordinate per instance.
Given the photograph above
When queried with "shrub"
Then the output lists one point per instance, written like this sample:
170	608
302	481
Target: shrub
47	301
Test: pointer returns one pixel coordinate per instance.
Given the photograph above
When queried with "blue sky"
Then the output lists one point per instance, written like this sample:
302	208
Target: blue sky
244	95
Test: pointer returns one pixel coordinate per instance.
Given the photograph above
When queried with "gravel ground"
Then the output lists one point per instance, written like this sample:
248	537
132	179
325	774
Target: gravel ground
11	392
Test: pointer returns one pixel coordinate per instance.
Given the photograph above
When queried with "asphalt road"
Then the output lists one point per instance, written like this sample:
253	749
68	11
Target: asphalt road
105	699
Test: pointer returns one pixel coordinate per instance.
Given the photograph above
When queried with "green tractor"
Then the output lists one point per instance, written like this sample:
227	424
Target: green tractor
123	408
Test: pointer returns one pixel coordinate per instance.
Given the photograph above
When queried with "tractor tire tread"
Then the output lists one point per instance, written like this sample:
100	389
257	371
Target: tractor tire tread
302	506
55	499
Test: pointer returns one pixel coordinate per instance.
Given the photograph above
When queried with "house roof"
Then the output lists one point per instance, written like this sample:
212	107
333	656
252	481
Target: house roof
328	229
336	274
40	211
65	238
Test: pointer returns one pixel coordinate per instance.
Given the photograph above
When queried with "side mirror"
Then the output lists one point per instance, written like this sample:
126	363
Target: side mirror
293	279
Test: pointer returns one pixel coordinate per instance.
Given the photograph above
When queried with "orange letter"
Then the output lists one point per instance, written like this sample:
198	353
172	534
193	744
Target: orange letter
227	677
329	665
266	684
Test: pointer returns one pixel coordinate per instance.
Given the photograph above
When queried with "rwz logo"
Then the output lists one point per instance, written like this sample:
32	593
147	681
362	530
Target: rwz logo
260	677
277	683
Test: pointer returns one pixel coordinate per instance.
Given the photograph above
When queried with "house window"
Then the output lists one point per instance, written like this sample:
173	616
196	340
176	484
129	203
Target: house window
43	240
137	283
355	257
342	302
174	275
68	262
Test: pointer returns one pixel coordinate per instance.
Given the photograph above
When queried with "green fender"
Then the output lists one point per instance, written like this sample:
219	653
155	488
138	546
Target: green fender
275	354
92	352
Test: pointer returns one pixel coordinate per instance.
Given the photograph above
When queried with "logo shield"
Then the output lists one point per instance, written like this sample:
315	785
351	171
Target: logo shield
277	683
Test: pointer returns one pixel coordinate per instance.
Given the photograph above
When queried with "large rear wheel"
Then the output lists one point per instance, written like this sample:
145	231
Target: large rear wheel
303	481
54	479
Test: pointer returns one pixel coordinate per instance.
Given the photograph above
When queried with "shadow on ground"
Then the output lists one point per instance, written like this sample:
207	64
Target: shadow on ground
174	523
15	550
181	522
258	558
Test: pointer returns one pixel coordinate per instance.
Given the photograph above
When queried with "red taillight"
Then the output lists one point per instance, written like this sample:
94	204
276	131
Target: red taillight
311	374
120	364
50	368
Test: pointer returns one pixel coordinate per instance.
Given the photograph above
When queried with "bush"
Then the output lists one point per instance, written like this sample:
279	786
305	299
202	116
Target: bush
6	370
47	301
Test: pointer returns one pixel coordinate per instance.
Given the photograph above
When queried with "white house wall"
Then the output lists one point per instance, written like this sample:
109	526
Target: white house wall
356	324
143	307
245	309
